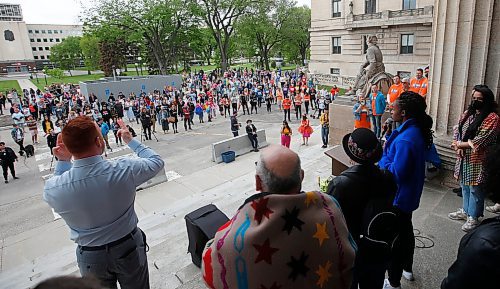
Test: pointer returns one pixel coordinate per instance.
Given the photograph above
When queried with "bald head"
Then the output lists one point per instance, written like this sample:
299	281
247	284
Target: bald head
279	171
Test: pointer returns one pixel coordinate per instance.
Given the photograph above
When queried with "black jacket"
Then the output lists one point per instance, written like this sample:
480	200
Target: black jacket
235	126
355	187
7	156
52	140
478	259
250	128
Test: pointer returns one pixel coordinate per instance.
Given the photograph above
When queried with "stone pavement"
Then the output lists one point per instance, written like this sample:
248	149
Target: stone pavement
36	254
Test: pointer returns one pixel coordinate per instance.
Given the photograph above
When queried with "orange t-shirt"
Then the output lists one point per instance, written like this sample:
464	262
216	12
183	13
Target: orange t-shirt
307	97
394	92
298	100
416	85
364	122
424	87
287	103
334	90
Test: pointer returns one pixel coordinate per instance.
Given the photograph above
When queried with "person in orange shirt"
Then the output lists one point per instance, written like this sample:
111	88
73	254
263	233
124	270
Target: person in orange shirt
297	102
334	92
307	101
305	129
279	98
419	83
394	91
287	103
362	113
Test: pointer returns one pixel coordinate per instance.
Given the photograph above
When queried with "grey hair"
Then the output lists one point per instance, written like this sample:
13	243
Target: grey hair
276	184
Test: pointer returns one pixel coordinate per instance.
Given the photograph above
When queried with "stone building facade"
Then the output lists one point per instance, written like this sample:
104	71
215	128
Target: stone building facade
339	29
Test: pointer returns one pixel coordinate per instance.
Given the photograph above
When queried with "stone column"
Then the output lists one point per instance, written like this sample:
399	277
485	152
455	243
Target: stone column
464	49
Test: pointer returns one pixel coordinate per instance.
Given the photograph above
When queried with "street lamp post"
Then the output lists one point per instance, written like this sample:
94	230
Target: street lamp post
139	58
44	74
137	68
143	65
36	75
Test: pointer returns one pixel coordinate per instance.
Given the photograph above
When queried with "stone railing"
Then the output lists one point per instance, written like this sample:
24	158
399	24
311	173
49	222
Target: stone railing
406	13
369	16
330	79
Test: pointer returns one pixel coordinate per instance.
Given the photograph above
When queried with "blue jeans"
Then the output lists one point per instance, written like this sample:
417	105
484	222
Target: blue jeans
473	200
377	127
324	135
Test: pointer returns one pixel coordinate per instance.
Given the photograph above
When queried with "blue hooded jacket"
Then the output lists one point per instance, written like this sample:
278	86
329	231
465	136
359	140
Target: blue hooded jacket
404	156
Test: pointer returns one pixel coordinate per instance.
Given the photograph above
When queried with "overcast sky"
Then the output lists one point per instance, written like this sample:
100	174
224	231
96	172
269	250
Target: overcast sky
61	11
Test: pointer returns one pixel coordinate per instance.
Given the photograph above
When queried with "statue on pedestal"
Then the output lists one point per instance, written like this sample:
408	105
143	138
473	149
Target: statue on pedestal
372	71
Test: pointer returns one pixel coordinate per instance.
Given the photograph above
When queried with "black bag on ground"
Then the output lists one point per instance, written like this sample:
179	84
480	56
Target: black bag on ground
202	224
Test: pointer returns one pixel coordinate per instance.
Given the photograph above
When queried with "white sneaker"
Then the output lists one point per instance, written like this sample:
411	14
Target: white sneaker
493	209
470	224
408	275
387	285
458	215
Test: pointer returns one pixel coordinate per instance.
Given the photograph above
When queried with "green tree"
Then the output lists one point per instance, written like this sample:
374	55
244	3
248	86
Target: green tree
202	43
220	16
263	26
67	54
90	50
297	38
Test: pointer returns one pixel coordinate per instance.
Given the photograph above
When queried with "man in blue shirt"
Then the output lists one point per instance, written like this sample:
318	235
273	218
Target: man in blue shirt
95	197
404	156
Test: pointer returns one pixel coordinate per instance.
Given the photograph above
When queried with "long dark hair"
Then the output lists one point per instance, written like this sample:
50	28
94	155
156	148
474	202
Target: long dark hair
414	105
489	106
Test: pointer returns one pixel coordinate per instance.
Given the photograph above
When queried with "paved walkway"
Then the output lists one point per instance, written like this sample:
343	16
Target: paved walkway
26	84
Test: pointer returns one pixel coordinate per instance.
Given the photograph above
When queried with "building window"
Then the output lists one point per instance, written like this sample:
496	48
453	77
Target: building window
38	40
40	48
36	31
406	43
409	4
45	40
32	40
48	56
56	32
33	48
336	45
30	31
365	43
43	31
57	40
336	8
60	31
42	57
370	6
51	39
36	57
335	71
49	31
47	48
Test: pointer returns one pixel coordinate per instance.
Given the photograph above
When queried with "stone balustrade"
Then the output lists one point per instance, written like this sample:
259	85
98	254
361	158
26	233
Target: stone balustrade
330	79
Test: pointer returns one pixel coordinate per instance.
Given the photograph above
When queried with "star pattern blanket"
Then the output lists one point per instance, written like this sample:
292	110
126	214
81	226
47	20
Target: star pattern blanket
282	241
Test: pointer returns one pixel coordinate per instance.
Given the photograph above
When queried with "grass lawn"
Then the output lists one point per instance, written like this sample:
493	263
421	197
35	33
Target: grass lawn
68	79
8	85
328	87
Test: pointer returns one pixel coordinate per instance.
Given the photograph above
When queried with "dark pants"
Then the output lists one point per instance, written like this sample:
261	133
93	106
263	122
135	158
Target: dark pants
227	111
187	123
268	105
125	263
5	167
147	131
324	134
252	107
404	247
298	111
286	112
235	133
245	105
306	103
21	146
377	126
235	107
369	268
253	140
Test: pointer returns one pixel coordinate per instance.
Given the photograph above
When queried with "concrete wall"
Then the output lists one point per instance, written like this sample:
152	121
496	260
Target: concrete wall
19	49
240	145
103	88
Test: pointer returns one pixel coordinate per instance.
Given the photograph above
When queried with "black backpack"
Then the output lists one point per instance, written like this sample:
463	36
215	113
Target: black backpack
202	224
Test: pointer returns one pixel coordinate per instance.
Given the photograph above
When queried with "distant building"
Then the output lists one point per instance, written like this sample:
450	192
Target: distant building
24	47
339	30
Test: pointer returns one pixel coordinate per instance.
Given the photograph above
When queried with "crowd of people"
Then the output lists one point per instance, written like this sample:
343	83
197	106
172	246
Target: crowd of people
347	238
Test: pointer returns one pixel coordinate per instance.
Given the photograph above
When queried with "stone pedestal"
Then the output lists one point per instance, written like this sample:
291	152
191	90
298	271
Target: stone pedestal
465	52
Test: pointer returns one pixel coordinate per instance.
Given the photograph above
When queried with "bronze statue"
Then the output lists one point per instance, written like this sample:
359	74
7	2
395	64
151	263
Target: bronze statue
372	71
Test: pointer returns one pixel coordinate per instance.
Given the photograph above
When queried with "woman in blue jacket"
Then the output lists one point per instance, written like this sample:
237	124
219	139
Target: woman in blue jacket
404	156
